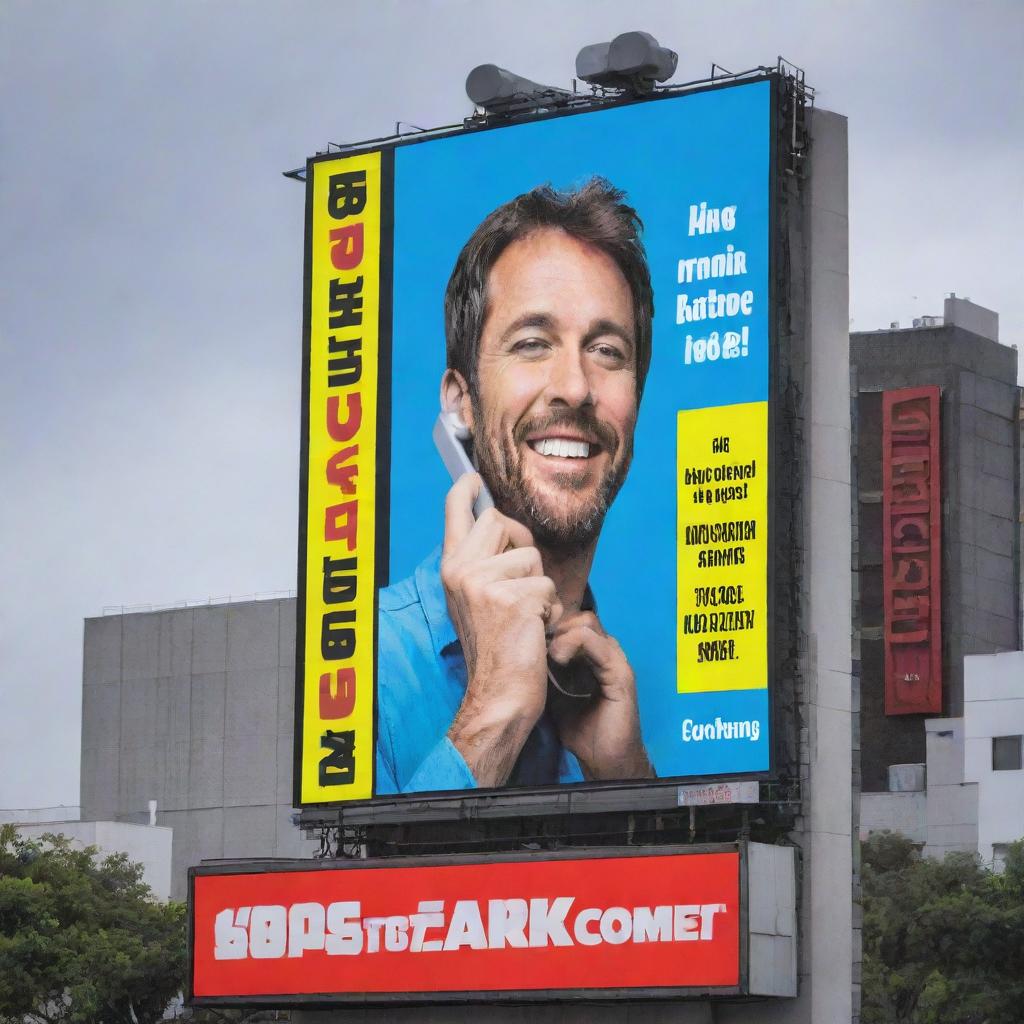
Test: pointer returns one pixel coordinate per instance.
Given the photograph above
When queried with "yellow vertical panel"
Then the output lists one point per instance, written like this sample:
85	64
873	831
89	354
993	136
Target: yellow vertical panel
722	548
323	495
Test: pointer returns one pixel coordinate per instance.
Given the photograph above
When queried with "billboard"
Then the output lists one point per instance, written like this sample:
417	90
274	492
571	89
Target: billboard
587	297
912	551
512	928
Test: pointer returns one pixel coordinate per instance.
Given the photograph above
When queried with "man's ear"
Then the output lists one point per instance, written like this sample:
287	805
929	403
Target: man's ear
455	396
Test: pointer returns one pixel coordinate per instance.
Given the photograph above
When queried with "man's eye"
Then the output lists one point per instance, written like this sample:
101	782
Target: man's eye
530	346
608	352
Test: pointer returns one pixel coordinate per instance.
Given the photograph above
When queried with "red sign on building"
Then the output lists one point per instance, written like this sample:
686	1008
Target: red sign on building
911	551
292	933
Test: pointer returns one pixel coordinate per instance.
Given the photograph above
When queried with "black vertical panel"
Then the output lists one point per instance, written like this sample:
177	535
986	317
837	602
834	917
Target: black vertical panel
300	587
382	554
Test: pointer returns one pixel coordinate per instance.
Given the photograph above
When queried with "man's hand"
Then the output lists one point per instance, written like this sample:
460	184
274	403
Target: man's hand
604	732
500	601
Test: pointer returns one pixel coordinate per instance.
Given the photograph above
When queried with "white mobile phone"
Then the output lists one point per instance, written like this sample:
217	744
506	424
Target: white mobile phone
450	436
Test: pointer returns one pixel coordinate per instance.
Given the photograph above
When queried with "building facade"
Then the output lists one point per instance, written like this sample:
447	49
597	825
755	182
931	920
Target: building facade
148	845
980	501
970	796
192	708
993	734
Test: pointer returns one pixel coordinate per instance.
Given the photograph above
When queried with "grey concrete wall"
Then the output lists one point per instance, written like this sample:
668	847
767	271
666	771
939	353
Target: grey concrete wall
193	708
831	944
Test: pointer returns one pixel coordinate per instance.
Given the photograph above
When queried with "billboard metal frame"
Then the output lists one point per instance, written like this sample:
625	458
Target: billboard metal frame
510	801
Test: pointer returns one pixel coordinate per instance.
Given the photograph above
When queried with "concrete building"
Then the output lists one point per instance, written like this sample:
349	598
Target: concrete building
924	776
192	708
148	845
993	735
970	795
981	503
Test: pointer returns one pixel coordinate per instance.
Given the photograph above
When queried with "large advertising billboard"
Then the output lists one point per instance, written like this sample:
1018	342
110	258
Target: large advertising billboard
586	298
515	928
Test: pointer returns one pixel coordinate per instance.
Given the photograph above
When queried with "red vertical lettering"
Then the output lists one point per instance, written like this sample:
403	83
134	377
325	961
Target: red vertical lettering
338	700
341	523
342	431
341	475
347	251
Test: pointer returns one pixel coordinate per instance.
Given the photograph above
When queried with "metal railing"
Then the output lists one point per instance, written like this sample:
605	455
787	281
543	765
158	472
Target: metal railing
131	609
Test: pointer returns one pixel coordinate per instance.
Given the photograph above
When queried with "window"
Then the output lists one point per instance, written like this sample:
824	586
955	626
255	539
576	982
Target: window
1006	753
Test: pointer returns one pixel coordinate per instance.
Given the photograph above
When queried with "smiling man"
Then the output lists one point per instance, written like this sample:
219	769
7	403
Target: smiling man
548	320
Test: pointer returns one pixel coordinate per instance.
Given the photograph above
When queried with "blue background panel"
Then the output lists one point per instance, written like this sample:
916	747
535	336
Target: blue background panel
710	147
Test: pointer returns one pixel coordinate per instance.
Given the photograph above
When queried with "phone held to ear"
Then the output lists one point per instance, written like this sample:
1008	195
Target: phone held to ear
451	435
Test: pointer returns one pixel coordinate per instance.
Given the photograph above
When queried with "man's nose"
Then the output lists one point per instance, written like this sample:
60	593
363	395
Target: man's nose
569	382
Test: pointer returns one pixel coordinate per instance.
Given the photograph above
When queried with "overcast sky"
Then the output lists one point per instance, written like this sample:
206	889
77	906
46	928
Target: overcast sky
150	288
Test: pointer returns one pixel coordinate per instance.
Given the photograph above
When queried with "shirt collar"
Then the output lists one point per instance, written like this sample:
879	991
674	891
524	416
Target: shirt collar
435	604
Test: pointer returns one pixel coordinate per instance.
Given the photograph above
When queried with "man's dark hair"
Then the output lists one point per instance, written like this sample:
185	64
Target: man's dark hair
595	214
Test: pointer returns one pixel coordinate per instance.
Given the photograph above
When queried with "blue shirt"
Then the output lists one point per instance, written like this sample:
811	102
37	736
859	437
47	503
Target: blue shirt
421	680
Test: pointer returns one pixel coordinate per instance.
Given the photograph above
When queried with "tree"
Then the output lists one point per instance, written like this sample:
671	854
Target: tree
82	940
943	940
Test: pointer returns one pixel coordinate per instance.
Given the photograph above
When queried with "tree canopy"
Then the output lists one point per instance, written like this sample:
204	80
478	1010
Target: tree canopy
943	940
82	940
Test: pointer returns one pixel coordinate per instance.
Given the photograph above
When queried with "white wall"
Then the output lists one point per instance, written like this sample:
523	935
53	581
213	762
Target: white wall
952	802
994	706
148	845
905	813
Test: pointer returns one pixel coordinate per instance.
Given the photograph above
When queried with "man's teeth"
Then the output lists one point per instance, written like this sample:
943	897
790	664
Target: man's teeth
562	447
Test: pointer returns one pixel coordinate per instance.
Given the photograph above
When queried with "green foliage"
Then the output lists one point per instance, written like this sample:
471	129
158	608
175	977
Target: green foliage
943	940
82	941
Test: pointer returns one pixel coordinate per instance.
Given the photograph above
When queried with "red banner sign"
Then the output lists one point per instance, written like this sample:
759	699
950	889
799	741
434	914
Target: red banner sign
542	925
912	548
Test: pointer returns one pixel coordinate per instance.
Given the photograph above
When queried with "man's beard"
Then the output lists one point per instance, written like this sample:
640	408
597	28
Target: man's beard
553	525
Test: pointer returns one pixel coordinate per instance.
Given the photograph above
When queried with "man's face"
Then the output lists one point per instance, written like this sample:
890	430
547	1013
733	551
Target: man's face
556	404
